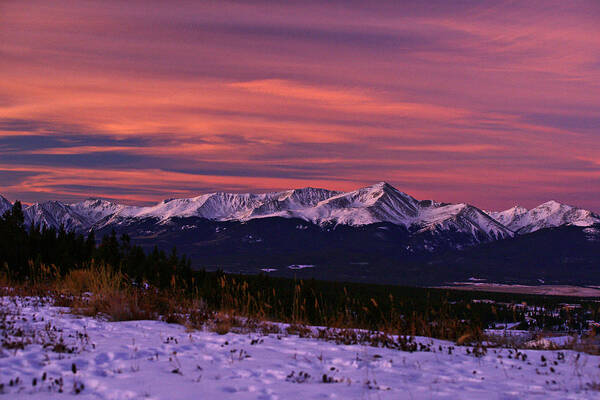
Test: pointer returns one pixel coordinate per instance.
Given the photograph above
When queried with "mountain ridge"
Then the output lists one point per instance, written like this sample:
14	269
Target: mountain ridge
378	203
549	214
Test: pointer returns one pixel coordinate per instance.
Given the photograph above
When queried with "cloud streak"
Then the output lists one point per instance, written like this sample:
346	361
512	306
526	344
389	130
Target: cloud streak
486	102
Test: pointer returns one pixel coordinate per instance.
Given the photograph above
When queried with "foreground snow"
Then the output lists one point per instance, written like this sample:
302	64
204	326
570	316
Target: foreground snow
155	360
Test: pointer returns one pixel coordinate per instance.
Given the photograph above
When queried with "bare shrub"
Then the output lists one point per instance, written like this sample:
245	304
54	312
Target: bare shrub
222	326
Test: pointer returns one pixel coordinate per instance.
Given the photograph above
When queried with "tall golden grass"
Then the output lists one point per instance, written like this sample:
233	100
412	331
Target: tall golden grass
100	290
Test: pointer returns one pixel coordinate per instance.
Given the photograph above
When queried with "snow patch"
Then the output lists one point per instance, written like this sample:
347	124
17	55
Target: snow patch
152	359
300	266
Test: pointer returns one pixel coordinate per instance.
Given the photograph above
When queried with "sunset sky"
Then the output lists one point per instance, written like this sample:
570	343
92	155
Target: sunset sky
492	103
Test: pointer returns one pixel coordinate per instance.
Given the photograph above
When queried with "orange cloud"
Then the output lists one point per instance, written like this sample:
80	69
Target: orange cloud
351	101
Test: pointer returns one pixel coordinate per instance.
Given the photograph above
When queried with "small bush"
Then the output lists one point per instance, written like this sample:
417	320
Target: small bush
222	326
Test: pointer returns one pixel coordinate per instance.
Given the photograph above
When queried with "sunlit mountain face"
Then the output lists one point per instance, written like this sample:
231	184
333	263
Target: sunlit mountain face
378	203
479	102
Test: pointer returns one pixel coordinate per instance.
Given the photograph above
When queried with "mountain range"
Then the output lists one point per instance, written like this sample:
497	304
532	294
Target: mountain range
392	236
378	203
547	215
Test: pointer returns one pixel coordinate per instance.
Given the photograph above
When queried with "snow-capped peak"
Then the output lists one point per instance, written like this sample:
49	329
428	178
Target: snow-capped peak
291	203
377	203
460	217
508	217
55	214
95	209
546	215
217	206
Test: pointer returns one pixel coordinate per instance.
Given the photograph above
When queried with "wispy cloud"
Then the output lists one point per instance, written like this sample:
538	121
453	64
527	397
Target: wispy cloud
486	102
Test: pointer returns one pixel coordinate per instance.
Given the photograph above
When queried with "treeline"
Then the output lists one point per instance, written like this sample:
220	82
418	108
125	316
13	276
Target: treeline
24	251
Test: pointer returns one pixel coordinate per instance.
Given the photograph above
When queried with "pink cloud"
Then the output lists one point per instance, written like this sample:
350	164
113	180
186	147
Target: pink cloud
479	101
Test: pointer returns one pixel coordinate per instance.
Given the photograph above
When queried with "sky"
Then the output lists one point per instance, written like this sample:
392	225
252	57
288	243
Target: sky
494	103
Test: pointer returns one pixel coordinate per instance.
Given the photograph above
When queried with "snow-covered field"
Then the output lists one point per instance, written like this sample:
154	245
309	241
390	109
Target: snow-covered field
155	360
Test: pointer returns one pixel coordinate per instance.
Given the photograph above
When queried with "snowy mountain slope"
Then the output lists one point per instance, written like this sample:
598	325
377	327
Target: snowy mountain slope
462	218
95	209
222	206
510	216
384	203
231	206
291	203
546	215
378	203
55	214
4	205
211	206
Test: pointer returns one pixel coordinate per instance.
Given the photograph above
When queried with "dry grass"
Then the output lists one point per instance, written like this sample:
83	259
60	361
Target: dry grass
77	282
103	291
299	329
589	345
98	279
100	290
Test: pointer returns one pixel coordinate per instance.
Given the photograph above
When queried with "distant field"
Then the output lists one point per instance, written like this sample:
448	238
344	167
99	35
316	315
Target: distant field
549	290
